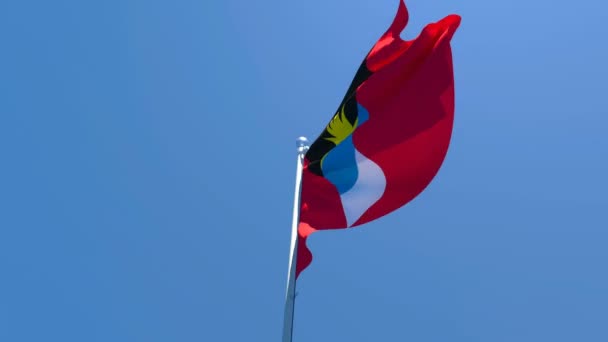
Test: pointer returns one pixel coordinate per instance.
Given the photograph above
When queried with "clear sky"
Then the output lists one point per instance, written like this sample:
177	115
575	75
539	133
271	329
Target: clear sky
148	157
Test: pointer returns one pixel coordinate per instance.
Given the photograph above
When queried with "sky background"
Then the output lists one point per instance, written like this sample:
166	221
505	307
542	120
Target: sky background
148	157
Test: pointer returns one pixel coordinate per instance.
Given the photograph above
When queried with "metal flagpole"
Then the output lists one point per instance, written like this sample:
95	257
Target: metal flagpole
290	297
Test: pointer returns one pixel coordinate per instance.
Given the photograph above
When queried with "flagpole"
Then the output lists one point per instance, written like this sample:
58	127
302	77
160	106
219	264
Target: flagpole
290	296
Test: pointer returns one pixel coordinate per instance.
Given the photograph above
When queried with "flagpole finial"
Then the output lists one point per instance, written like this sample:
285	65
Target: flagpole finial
302	144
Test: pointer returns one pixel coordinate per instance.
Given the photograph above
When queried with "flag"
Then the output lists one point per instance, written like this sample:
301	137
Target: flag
388	137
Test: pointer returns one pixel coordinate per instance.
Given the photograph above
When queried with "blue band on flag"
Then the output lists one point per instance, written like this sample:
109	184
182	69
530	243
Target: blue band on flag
339	165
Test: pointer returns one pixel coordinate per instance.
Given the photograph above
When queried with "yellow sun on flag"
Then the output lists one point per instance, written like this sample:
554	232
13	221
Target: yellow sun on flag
339	127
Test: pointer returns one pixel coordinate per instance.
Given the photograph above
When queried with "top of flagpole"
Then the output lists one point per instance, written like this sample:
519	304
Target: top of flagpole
302	144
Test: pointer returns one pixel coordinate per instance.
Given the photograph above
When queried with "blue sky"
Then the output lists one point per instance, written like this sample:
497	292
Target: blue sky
148	159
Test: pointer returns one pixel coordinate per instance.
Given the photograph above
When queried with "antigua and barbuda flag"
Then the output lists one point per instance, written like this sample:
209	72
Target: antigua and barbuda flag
389	135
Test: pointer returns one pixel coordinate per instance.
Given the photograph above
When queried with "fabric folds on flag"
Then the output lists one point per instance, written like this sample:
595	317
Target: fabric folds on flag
389	136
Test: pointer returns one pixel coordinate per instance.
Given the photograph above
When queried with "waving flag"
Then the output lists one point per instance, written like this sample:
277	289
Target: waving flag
389	135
